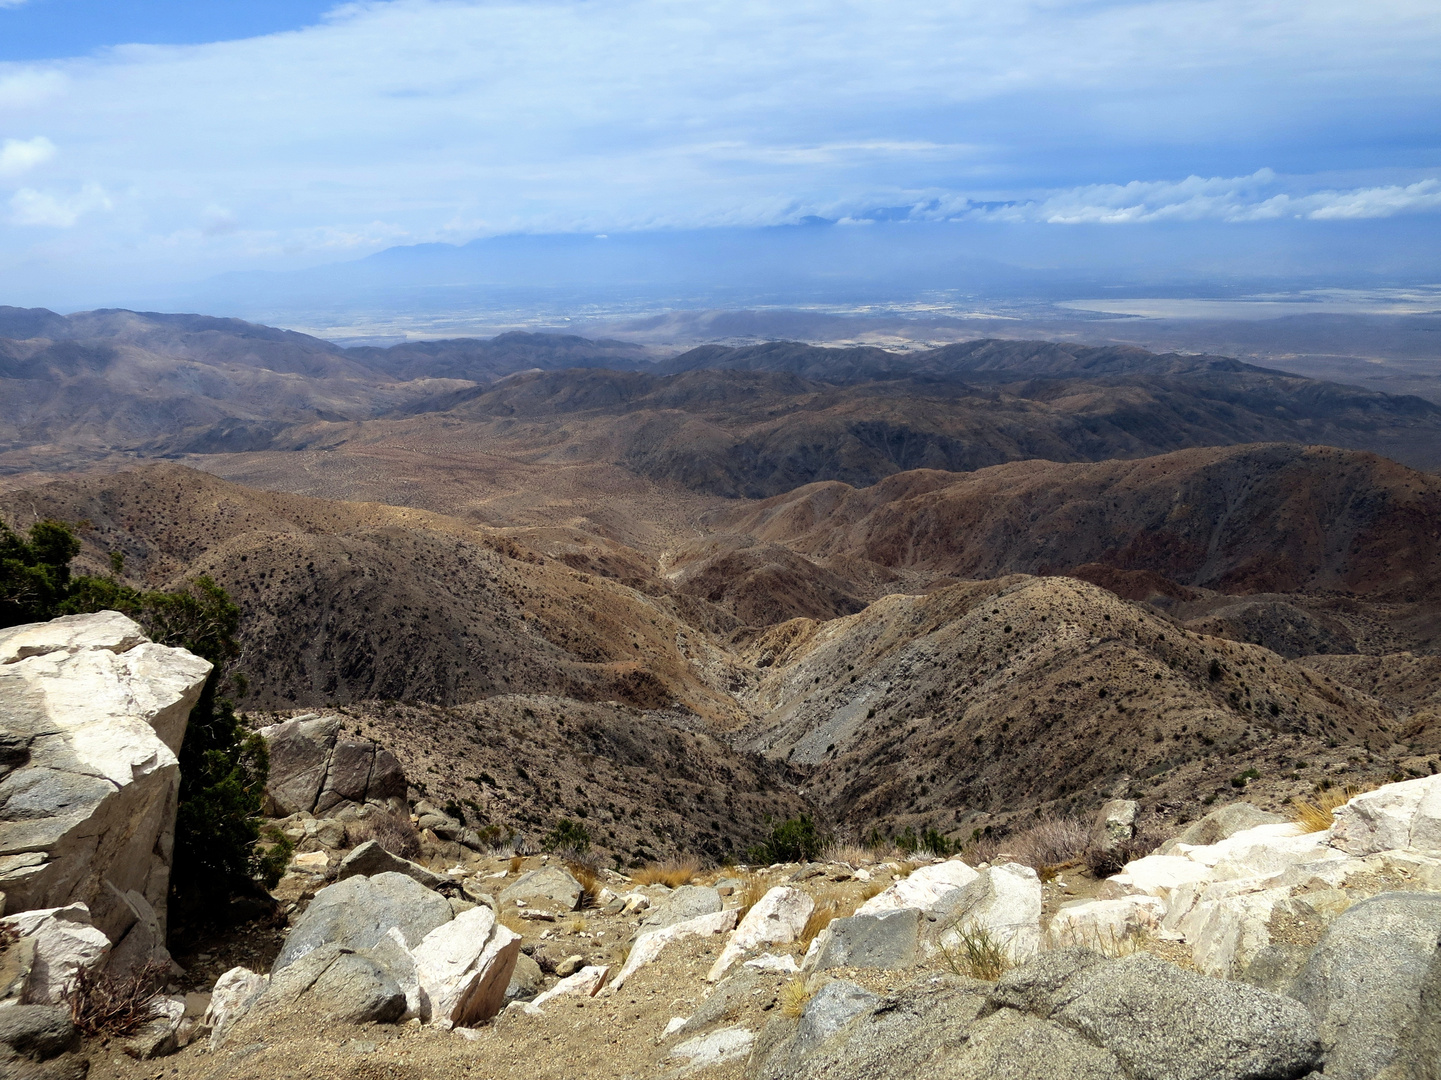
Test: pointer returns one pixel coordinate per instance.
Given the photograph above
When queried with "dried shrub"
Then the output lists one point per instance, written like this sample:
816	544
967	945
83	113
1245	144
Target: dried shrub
102	1004
977	953
517	862
1103	862
396	835
849	853
673	873
1045	846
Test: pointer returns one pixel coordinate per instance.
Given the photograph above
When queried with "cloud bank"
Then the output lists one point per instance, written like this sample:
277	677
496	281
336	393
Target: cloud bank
444	120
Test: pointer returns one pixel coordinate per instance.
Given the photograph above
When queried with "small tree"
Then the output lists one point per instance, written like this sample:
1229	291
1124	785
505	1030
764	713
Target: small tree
795	840
34	573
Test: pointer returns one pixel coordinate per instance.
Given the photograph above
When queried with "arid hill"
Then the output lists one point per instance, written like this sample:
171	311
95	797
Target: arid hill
1265	518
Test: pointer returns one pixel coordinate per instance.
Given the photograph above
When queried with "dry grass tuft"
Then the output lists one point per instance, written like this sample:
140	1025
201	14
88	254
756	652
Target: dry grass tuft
1319	814
590	884
848	853
396	835
794	996
672	873
516	862
752	889
977	954
1107	943
1048	845
116	1005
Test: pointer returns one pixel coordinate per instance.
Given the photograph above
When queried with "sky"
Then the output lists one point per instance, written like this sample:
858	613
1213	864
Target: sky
151	144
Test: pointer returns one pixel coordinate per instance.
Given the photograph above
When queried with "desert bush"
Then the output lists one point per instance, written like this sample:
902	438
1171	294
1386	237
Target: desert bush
395	834
672	873
1050	843
104	1004
976	953
1104	861
567	836
795	840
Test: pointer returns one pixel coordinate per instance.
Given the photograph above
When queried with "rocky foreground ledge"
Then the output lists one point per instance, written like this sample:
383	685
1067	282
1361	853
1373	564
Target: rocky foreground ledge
1246	948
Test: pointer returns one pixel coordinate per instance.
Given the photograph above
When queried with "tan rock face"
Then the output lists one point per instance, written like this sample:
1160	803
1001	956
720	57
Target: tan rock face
93	715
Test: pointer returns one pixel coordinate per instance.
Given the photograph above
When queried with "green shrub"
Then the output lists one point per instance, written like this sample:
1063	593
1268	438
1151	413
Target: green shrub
795	840
567	836
35	573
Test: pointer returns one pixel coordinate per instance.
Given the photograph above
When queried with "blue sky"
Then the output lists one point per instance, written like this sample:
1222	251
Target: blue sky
144	145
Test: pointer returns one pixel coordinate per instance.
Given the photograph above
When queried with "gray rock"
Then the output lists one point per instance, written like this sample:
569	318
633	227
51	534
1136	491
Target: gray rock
723	1004
847	1033
1115	823
1220	824
1165	1023
886	939
151	1040
358	911
1013	1046
686	902
316	770
370	859
525	981
38	1031
338	984
549	889
1276	967
64	1067
1374	986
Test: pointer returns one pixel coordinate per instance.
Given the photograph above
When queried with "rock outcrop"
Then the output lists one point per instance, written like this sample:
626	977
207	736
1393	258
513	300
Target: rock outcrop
92	715
315	770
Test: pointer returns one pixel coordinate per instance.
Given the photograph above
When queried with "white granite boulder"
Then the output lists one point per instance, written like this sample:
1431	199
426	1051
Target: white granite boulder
464	967
926	888
1403	815
65	943
92	715
777	918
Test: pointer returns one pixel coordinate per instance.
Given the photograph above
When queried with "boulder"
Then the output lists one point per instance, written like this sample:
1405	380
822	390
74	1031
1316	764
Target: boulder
705	1051
465	966
1374	985
64	943
1101	924
93	717
1004	901
314	769
1155	875
38	1031
1221	824
583	983
777	918
525	981
650	944
359	911
549	889
336	983
848	1033
1160	1021
888	940
1115	823
925	888
370	859
686	902
231	998
1404	815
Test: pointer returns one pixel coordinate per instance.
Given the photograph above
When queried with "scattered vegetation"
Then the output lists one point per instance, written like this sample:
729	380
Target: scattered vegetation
1050	843
104	1004
1102	862
971	949
584	872
35	571
751	891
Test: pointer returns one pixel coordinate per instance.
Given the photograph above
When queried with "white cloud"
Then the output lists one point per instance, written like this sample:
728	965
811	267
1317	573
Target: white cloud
1258	197
18	156
11	3
419	120
45	208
